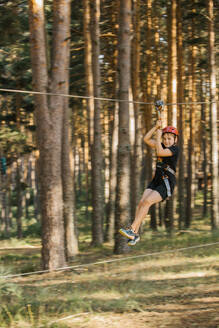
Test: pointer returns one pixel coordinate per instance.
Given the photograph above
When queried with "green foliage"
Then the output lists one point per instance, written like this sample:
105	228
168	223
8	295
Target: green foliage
12	16
33	230
14	52
11	140
9	291
13	143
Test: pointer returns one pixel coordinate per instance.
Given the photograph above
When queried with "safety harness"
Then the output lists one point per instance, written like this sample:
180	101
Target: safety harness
165	167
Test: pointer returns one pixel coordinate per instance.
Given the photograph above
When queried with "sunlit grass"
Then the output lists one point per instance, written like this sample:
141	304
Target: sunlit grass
14	243
156	290
126	287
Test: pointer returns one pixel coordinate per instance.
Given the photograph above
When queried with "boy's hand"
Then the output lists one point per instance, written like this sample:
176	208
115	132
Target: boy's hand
159	124
159	134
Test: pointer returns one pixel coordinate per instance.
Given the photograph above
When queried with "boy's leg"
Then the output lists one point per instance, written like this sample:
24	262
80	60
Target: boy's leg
146	193
149	198
130	233
144	205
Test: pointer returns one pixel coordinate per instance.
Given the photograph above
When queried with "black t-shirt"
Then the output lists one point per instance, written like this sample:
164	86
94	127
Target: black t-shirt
170	161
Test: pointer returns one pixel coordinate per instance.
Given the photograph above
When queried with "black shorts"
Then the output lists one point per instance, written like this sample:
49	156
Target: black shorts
159	185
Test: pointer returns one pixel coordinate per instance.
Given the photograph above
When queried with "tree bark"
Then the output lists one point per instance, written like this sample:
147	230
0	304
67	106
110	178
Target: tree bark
173	62
88	69
157	53
71	242
181	125
20	200
123	166
149	97
213	119
113	168
89	88
171	95
136	158
114	128
49	123
204	149
191	144
96	155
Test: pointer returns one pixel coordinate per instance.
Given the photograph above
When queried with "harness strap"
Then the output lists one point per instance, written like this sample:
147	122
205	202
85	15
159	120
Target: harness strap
166	178
167	184
168	168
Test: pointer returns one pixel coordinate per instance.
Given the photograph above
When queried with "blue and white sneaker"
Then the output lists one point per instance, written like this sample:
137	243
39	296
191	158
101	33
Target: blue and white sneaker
128	233
133	242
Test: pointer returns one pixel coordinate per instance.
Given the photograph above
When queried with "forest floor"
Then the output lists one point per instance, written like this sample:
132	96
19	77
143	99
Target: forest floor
173	289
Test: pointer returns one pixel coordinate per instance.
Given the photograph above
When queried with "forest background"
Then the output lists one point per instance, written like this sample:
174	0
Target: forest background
78	163
78	83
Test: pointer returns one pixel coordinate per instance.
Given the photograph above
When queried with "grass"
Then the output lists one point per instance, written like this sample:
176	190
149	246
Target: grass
176	289
153	291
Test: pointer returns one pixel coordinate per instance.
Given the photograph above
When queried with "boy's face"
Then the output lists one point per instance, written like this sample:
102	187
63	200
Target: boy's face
168	139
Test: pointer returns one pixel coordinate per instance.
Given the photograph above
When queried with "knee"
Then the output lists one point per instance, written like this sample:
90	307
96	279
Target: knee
146	202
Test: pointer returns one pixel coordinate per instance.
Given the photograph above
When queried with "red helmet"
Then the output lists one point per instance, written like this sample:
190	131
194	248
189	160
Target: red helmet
170	129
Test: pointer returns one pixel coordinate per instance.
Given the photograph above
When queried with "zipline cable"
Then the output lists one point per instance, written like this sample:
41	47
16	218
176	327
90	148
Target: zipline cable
72	96
101	98
108	261
66	318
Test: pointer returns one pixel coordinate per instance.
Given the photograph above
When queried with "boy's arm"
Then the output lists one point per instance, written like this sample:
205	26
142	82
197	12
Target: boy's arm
148	137
159	149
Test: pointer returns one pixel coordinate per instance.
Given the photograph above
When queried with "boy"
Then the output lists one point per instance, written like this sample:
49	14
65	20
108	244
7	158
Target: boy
163	183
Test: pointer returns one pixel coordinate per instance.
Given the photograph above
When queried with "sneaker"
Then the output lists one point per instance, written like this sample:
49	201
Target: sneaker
128	233
132	242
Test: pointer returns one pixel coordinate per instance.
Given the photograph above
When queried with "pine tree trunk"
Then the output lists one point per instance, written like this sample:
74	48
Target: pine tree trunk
123	167
96	155
169	74
4	204
191	154
8	209
106	123
157	55
113	167
89	86
35	184
181	125
136	158
113	134
213	118
19	201
174	62
171	95
49	123
88	69
204	144
71	243
148	98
